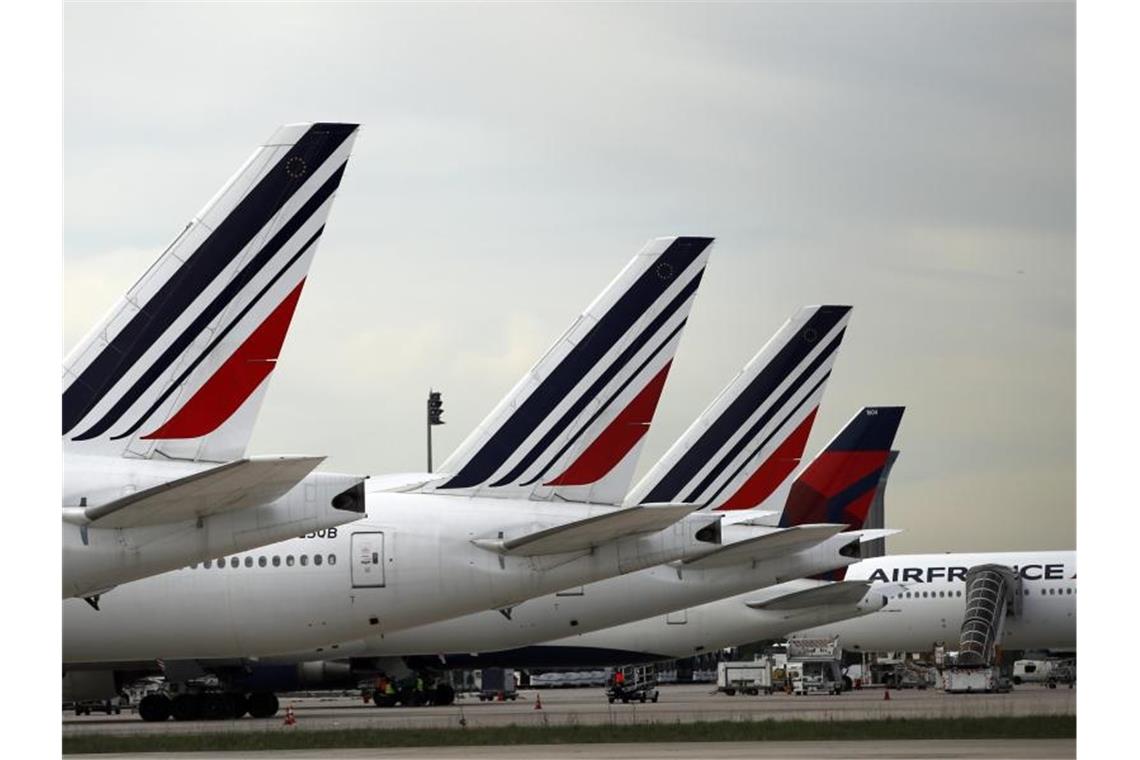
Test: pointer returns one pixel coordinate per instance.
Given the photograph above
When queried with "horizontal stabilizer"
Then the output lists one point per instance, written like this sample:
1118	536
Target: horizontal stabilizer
592	531
838	593
234	485
873	534
779	542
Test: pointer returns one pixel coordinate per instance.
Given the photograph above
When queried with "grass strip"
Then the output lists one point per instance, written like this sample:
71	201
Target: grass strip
1028	727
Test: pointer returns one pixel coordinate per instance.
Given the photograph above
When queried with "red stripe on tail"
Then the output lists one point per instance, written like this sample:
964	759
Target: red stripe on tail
774	470
237	378
617	439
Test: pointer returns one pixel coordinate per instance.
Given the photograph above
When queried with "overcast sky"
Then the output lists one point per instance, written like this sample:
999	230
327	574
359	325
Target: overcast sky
914	160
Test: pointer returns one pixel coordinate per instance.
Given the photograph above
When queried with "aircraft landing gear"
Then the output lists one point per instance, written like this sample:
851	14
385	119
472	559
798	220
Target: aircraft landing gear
263	704
154	707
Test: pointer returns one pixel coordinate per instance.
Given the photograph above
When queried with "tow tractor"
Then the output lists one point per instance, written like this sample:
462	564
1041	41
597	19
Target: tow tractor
637	683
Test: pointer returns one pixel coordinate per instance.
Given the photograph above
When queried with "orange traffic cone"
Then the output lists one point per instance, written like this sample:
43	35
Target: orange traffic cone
886	695
538	701
290	718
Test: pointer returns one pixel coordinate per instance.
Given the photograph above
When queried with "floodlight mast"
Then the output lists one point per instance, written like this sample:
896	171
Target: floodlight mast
434	417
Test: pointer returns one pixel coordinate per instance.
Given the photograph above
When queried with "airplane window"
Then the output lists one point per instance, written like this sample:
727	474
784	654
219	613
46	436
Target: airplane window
1068	591
276	561
234	561
317	559
194	566
941	593
304	560
289	560
261	561
1042	592
923	594
208	563
221	562
249	561
332	559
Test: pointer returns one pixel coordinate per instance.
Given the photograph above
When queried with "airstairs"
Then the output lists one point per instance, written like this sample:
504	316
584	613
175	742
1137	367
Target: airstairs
993	593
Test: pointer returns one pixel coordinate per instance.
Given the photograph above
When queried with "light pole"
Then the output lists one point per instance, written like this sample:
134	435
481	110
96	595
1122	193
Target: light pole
434	417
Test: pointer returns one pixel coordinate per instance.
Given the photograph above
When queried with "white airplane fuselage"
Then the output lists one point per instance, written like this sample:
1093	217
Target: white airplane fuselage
409	562
97	559
902	619
611	602
931	607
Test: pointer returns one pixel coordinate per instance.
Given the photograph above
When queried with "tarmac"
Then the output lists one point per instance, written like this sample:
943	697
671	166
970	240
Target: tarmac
871	750
678	704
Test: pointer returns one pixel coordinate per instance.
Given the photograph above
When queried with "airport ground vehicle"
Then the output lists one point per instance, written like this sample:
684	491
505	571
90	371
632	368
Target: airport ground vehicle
751	677
1064	672
633	683
814	665
498	684
1032	671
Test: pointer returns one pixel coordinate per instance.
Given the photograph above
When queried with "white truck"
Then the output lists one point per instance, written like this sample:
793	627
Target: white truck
814	665
986	680
745	677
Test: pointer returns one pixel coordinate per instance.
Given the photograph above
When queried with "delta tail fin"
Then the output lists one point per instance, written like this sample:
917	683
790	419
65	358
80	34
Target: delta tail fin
573	427
752	436
179	366
841	482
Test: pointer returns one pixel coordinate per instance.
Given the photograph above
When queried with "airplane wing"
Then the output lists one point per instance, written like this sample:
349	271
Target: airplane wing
235	485
775	543
838	593
591	531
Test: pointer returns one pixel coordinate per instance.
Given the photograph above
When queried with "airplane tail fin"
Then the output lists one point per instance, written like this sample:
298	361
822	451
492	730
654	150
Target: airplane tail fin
841	482
572	428
179	366
876	518
752	436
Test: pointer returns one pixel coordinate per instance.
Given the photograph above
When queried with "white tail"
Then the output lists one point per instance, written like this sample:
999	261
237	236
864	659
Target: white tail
753	434
573	426
179	366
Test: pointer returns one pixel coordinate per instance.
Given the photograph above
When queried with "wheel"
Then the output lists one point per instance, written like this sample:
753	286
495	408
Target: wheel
642	699
730	692
611	700
187	707
1051	684
444	695
154	707
655	698
240	705
1017	680
263	704
625	700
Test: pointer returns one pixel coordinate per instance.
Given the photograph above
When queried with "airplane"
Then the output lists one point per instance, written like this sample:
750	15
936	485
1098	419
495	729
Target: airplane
161	397
788	414
500	523
881	603
872	610
826	505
